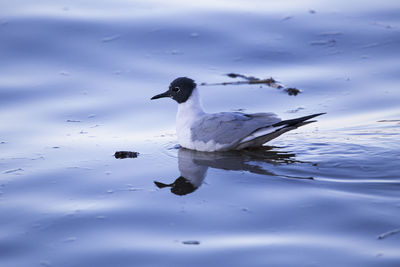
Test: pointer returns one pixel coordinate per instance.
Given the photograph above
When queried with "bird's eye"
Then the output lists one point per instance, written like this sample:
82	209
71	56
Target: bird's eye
176	89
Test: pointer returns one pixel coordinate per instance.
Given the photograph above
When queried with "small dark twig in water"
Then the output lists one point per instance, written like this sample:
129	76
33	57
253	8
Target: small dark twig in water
388	121
125	154
271	82
191	242
13	171
384	235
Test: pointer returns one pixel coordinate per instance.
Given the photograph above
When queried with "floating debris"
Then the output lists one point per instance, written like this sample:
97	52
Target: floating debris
125	154
329	42
271	82
72	121
389	121
191	242
236	75
13	171
38	158
292	91
80	168
330	34
312	11
3	142
384	235
287	18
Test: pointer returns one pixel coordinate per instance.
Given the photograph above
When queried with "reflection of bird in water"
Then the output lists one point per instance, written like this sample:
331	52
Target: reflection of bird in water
192	173
193	165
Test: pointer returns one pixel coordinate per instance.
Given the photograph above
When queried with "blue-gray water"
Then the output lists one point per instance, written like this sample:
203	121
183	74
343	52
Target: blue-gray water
75	85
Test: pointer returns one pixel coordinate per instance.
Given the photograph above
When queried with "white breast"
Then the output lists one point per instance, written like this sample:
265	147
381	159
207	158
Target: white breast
188	113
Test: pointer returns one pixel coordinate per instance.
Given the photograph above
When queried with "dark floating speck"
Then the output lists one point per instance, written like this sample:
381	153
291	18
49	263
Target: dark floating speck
125	154
191	242
287	18
330	33
70	239
73	121
329	42
292	91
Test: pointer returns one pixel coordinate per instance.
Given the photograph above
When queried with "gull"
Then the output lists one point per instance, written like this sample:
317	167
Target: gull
209	132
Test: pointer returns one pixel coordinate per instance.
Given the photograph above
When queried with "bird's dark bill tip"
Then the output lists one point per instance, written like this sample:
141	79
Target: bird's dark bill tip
165	94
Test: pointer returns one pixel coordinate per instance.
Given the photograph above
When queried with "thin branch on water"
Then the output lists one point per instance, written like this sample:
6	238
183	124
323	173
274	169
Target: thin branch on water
271	82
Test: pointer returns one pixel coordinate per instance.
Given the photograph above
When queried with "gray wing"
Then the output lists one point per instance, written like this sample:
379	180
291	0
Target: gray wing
230	127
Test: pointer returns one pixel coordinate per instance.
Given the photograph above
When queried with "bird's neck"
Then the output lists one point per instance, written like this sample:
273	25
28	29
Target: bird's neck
192	107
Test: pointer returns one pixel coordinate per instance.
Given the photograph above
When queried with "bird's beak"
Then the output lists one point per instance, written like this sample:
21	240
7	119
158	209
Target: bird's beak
165	94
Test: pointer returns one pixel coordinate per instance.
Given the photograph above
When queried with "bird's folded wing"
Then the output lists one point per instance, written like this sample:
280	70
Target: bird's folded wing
230	127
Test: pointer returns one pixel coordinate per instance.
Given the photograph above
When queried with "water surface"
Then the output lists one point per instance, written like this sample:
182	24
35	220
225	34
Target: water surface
75	86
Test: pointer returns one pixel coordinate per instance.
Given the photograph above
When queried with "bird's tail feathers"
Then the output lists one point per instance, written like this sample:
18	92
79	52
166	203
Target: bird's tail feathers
296	121
263	135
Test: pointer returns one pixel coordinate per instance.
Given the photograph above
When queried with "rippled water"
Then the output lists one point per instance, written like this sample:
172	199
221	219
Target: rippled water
75	86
